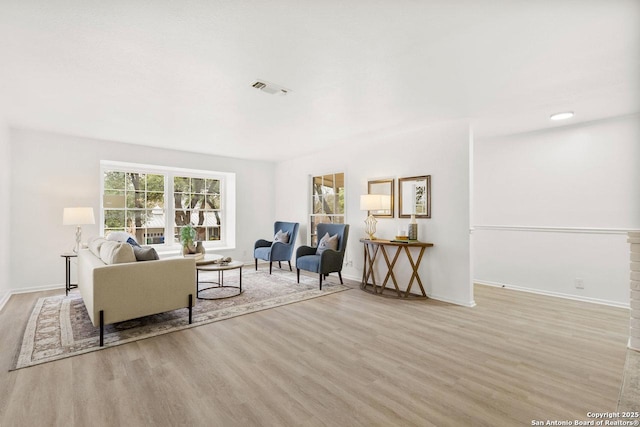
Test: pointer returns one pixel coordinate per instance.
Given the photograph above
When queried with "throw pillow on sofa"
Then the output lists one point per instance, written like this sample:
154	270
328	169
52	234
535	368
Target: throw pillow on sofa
116	253
120	236
95	243
145	253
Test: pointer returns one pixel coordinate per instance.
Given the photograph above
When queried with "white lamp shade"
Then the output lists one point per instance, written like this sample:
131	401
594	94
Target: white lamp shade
78	216
375	202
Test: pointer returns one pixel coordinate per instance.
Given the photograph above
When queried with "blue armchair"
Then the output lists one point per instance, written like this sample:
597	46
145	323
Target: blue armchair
277	251
330	261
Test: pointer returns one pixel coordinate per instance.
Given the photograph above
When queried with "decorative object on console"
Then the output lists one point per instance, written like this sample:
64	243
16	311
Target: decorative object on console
200	249
78	217
413	228
187	238
373	203
415	196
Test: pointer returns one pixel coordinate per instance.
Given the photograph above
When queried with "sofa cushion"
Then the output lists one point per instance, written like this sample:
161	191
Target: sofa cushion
116	253
327	242
94	245
145	253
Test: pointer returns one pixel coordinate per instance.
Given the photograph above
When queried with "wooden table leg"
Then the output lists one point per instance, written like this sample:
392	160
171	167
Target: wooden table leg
390	270
369	260
415	274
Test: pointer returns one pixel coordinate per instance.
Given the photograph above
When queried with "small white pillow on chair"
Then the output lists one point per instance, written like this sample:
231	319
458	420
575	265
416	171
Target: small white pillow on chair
281	237
327	242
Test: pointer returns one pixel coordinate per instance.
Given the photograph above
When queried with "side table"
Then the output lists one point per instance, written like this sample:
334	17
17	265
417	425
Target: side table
220	268
68	285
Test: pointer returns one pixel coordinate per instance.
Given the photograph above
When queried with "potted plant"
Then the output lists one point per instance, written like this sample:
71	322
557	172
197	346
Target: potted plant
187	239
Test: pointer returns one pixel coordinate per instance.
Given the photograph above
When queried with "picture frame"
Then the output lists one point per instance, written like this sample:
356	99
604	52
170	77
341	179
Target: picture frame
414	196
384	187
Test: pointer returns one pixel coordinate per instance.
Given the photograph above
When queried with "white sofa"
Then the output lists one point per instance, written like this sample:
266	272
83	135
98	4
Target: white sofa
115	287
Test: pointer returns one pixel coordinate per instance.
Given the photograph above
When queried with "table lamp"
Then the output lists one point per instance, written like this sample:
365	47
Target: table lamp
78	217
373	203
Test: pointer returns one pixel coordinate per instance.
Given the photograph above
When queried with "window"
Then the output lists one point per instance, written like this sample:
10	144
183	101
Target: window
153	203
134	202
197	201
327	202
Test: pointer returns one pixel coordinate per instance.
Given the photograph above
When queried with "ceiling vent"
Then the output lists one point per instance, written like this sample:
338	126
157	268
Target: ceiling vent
270	88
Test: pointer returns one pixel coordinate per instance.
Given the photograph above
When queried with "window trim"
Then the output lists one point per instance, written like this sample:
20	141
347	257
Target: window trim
228	200
310	202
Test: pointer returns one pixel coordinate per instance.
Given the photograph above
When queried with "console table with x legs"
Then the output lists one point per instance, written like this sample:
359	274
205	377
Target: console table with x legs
371	249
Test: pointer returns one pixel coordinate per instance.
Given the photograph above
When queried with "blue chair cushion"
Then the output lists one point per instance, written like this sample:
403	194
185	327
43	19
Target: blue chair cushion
309	263
263	253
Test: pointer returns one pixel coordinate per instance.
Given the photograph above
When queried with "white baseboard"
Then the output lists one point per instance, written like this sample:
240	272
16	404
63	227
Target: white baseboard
432	296
552	294
469	304
5	299
7	296
38	289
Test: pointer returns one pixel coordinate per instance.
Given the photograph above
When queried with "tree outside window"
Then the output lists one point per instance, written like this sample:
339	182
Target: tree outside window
327	202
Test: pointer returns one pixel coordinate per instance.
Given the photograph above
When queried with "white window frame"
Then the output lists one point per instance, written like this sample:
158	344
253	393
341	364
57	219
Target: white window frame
311	202
227	202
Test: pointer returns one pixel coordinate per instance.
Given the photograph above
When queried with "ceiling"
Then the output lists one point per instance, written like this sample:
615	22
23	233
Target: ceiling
178	74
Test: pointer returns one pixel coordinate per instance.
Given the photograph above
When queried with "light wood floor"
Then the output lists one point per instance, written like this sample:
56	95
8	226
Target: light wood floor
342	360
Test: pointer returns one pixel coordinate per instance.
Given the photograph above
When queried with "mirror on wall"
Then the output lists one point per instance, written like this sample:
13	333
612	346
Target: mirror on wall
383	187
414	194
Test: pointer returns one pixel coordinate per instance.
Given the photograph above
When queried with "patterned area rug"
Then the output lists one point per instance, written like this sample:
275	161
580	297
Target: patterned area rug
60	327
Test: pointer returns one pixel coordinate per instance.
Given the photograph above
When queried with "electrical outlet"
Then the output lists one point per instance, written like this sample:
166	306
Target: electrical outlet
579	283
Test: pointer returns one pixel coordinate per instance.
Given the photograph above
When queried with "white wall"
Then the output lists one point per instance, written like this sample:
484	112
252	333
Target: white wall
52	171
5	168
550	207
443	153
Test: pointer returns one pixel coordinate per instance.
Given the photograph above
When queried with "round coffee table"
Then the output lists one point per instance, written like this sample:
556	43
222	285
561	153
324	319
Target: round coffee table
215	265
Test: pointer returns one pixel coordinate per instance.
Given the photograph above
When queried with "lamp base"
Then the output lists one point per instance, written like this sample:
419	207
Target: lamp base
78	238
370	227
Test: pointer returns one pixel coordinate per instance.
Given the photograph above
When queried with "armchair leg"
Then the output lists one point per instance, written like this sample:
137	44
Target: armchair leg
320	281
340	276
279	265
290	269
270	266
256	264
298	274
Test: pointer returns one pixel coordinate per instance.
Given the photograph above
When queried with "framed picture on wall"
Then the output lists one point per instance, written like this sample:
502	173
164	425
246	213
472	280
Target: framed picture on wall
414	195
383	187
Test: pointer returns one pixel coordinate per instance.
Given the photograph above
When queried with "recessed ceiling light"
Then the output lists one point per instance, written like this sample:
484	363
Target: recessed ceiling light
562	116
